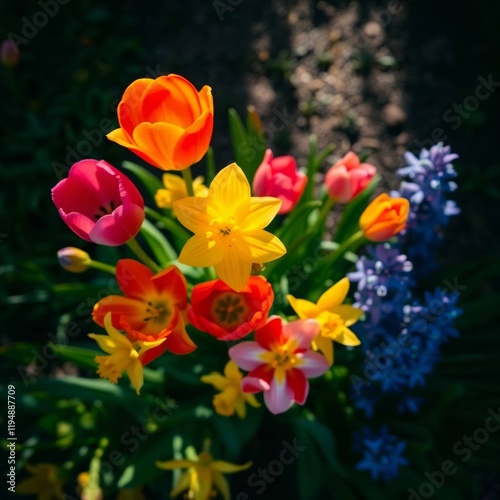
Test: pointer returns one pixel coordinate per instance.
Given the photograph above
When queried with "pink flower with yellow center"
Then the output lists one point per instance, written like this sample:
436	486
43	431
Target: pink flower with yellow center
280	362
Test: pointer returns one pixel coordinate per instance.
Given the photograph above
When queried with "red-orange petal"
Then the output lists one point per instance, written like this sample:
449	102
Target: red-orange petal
134	279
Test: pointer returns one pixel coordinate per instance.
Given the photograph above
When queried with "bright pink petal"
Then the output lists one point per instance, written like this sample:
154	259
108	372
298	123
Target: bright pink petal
303	331
285	165
261	184
270	334
313	364
119	227
299	385
247	355
71	196
78	223
279	398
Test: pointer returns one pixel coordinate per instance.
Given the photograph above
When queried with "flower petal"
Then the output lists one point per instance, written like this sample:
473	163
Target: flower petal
348	313
229	188
222	485
216	379
232	270
134	279
302	307
312	364
129	110
199	251
297	382
120	138
175	464
247	355
279	398
194	142
119	227
135	373
302	331
270	334
325	345
264	247
228	468
79	224
158	140
104	342
334	296
192	213
345	336
257	213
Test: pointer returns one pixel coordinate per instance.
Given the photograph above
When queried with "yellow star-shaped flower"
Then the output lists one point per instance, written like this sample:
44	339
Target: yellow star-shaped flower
333	317
228	228
176	189
123	355
202	474
232	398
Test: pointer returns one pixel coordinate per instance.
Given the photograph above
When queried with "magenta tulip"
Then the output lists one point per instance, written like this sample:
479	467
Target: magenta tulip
99	203
279	177
348	177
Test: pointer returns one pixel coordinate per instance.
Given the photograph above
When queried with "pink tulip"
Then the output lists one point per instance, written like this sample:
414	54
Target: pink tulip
348	177
99	203
278	177
280	362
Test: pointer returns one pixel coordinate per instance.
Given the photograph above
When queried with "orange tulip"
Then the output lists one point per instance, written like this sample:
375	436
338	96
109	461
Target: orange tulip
166	121
384	217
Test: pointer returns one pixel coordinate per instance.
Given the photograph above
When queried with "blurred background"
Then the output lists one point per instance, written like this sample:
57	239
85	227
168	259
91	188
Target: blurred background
375	77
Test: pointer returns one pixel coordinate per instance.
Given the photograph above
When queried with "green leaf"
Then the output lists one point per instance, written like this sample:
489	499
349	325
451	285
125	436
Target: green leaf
324	440
161	248
148	180
349	223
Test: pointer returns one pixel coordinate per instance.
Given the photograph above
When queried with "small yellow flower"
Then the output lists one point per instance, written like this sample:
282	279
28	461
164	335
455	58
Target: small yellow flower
175	189
201	476
123	355
45	482
333	317
228	228
232	398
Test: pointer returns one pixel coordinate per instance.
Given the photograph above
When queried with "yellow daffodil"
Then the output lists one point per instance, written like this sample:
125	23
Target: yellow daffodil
123	355
333	317
201	476
45	482
175	189
228	228
232	398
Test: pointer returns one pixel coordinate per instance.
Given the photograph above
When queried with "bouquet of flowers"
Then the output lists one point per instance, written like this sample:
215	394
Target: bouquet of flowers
233	293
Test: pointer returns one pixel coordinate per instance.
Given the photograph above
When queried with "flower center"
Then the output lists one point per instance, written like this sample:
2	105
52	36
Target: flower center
229	309
157	312
329	323
282	356
222	231
105	209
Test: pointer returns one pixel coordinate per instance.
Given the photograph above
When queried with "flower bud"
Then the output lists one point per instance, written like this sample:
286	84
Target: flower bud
9	53
73	259
384	217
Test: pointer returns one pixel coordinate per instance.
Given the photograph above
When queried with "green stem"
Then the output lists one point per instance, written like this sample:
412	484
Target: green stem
188	179
169	224
142	255
325	209
350	244
95	264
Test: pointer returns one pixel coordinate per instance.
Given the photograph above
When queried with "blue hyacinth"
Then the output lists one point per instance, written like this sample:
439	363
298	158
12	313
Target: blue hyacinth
403	336
382	453
428	182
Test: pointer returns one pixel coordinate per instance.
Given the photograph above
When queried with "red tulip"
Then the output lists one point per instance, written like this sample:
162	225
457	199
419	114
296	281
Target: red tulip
348	177
99	203
279	177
